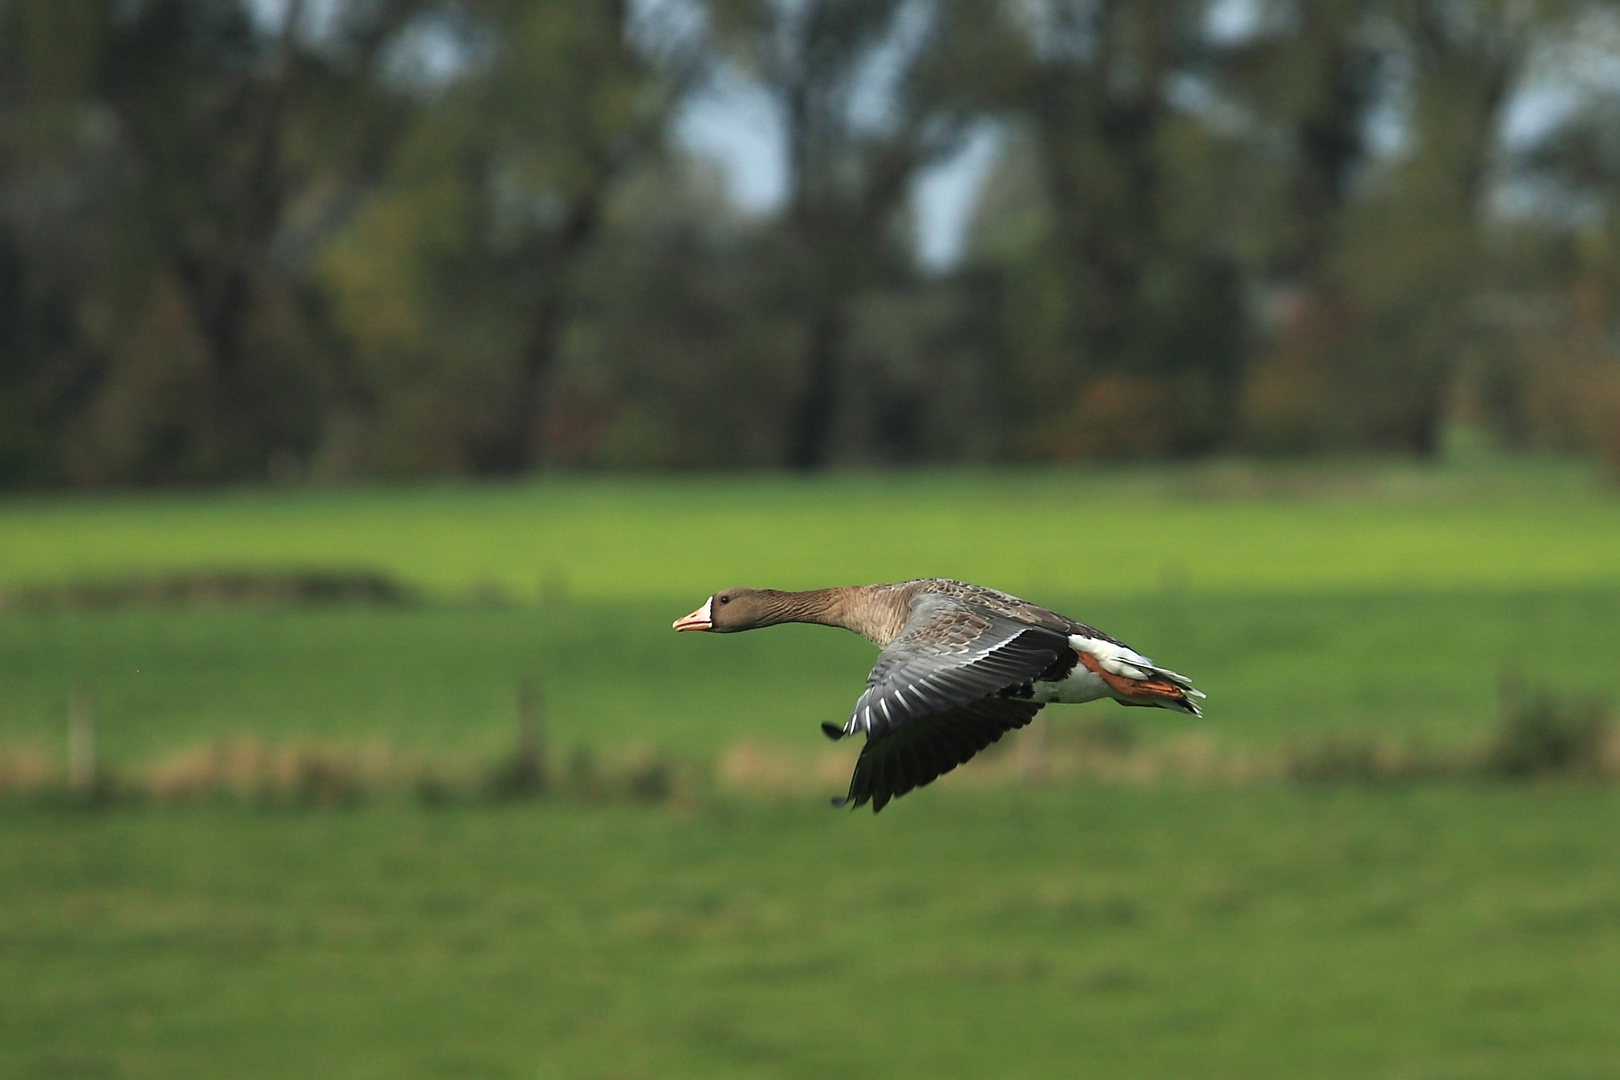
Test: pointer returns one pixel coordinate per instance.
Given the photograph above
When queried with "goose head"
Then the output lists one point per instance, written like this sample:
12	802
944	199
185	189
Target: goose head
731	610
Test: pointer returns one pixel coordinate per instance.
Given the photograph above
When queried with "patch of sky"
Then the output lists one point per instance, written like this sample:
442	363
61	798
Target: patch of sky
1232	22
1059	32
1568	77
317	20
876	87
734	121
944	196
1196	96
432	51
668	30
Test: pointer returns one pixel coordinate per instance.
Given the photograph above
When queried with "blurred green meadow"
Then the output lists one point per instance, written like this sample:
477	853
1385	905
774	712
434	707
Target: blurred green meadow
1223	528
1124	932
1443	930
1300	600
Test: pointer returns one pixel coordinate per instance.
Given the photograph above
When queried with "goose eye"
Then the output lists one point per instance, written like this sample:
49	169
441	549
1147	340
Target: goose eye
725	599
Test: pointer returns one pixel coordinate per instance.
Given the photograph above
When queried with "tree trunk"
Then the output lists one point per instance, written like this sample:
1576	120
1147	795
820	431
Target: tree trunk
818	405
518	443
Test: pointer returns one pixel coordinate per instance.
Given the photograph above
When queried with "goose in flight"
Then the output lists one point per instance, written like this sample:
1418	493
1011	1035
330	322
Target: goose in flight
961	665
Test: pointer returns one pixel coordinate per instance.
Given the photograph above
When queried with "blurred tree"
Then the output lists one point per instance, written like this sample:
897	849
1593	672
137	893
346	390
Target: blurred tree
217	145
1420	248
56	167
865	101
1307	79
241	238
1133	331
685	346
1373	337
1564	391
460	280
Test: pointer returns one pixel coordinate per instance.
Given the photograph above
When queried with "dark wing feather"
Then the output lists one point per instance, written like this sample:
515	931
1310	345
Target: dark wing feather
950	654
909	755
932	701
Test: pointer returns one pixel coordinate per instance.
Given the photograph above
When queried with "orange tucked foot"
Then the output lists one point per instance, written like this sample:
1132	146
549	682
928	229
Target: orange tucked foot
1131	688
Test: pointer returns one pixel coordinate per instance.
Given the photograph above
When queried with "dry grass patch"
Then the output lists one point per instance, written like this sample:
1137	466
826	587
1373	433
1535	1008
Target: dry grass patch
1538	737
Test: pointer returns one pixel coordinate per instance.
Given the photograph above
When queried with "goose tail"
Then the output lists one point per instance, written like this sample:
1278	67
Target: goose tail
1134	680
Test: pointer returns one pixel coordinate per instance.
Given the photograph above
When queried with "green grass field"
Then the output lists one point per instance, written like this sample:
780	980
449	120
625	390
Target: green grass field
1052	533
1394	601
442	679
1443	931
1435	932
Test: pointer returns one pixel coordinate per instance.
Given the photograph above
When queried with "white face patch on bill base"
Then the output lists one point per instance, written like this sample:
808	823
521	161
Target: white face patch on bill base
701	619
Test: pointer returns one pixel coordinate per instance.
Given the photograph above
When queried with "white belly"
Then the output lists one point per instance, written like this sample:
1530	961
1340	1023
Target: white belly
1080	685
1083	684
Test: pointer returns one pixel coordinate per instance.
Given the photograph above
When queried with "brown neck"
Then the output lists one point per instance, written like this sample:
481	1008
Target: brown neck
869	610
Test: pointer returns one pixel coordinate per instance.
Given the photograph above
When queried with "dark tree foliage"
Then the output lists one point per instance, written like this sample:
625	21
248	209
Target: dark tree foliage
194	156
862	113
243	240
1151	293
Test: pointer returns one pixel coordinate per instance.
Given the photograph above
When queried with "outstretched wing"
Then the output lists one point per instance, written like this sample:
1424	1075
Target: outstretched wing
932	700
912	754
949	654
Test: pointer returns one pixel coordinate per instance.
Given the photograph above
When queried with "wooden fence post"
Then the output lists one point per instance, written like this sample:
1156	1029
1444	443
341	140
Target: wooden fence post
531	744
82	742
1033	766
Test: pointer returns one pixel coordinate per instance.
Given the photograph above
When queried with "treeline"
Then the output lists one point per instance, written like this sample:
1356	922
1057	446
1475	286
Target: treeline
246	239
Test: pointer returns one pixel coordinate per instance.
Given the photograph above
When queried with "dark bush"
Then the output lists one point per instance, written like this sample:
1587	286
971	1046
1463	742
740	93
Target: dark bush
521	775
326	780
1363	758
213	588
652	780
1545	735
